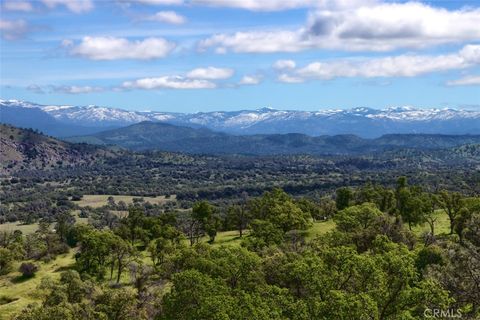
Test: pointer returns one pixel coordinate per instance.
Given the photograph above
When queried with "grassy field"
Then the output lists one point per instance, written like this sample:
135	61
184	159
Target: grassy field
96	201
25	228
21	291
319	228
442	225
231	238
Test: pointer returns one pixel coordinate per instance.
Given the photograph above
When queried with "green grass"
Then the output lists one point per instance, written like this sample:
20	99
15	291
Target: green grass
25	228
21	292
232	238
442	225
97	201
31	228
319	228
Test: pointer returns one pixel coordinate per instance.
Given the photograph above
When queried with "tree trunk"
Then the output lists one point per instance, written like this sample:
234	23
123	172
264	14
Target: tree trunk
119	274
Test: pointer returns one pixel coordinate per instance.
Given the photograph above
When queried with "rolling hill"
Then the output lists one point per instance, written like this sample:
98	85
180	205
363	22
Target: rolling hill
22	149
167	137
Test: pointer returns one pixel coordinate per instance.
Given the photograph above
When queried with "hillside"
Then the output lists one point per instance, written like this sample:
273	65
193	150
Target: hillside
28	149
167	137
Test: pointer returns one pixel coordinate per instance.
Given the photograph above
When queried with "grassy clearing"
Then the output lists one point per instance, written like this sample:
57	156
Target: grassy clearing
22	292
442	225
31	228
25	228
319	228
97	201
232	238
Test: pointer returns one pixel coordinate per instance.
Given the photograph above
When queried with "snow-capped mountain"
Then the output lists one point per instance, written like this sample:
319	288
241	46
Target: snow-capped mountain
365	122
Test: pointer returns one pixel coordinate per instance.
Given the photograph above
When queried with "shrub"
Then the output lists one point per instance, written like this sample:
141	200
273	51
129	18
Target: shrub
28	269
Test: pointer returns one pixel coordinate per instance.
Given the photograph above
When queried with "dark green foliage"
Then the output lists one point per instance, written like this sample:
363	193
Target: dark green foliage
343	198
28	269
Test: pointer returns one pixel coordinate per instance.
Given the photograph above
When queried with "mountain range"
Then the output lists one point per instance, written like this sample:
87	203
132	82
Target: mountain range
65	120
26	149
167	137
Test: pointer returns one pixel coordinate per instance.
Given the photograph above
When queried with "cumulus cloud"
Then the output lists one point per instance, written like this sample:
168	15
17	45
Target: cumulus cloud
284	64
394	66
465	81
256	42
289	78
75	6
13	29
210	73
111	48
24	6
168	82
167	17
364	26
250	80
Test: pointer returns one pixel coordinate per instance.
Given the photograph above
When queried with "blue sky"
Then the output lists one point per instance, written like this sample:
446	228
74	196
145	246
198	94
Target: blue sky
204	55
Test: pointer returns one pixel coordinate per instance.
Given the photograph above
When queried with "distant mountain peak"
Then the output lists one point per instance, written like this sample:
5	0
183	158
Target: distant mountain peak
362	121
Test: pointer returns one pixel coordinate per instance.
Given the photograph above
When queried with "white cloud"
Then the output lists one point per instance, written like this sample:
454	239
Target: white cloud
158	2
395	66
24	6
465	81
289	78
210	73
250	80
168	82
13	29
75	6
363	26
256	42
284	64
167	17
257	5
110	48
77	89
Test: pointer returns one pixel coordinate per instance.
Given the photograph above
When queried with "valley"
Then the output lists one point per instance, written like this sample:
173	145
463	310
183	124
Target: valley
122	222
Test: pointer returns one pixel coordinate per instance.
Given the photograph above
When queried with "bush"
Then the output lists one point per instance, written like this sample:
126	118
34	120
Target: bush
28	269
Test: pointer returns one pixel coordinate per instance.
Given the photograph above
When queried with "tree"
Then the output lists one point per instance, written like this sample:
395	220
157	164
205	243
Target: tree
65	222
158	249
263	234
355	217
280	209
239	217
343	198
95	248
451	202
28	269
327	208
121	253
132	225
6	261
195	295
118	304
202	219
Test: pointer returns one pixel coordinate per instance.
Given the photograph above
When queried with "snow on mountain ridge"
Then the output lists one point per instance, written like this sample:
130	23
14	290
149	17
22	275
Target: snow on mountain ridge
242	118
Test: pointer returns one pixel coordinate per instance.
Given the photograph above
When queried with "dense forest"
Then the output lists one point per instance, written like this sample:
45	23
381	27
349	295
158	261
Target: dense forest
158	235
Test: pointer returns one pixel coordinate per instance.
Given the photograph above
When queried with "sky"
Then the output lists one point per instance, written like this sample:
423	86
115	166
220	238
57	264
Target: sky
206	55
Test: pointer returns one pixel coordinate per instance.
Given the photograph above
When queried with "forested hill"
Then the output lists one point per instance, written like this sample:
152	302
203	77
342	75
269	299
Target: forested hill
161	136
29	149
